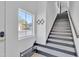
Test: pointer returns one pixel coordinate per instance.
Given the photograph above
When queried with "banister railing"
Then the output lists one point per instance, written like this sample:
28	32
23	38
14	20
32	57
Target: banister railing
73	26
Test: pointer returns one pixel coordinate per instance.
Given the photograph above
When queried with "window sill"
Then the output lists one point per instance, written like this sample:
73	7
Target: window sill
26	37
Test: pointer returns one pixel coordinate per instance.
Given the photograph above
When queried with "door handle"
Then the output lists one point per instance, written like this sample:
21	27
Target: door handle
2	34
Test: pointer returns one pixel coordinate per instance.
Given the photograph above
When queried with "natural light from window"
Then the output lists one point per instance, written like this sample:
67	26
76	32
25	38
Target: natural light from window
25	24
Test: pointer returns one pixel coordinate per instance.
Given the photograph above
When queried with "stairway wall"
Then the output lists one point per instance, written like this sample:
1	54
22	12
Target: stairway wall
41	28
51	13
48	12
74	12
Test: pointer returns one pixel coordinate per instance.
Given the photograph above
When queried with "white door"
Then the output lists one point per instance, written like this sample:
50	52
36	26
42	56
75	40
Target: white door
2	25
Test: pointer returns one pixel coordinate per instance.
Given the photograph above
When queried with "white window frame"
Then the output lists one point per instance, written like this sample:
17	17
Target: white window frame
33	27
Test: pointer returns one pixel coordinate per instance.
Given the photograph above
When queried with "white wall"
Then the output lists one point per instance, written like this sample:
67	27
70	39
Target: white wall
51	13
58	6
13	45
48	11
74	12
41	28
2	24
76	40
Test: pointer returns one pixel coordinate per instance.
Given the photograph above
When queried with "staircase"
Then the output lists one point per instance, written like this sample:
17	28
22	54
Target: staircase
60	41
